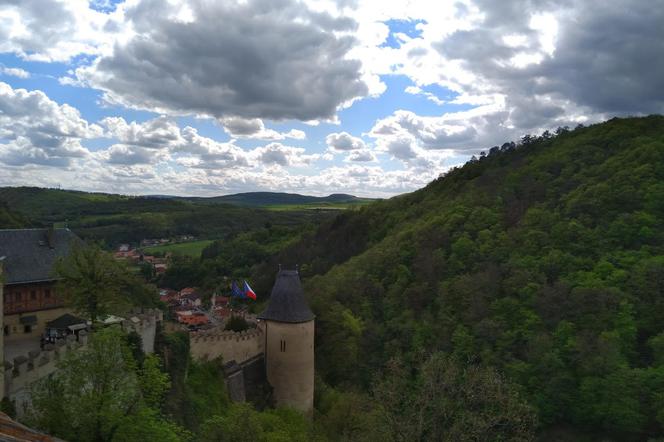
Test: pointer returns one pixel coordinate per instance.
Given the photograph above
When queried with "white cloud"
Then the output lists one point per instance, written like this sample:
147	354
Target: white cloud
37	130
254	128
284	156
361	156
15	72
343	142
270	60
52	30
414	90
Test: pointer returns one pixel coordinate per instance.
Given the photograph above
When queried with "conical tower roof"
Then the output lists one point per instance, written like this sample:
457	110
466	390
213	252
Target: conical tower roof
287	303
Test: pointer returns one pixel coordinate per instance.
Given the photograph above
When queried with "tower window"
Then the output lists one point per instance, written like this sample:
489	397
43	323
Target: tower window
283	345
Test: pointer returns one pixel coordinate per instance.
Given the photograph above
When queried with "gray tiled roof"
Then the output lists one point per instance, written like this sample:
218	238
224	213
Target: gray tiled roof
287	303
29	256
64	321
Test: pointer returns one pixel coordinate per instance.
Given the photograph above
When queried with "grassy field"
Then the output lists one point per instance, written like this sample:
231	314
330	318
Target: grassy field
193	248
320	206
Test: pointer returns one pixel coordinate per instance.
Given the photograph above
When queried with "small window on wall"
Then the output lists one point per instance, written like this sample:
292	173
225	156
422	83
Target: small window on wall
27	329
47	293
6	330
33	294
283	345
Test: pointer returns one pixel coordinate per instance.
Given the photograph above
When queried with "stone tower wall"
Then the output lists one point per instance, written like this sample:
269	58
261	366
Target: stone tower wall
232	346
289	361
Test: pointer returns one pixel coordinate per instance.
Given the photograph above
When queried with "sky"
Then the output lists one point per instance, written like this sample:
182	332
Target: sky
373	98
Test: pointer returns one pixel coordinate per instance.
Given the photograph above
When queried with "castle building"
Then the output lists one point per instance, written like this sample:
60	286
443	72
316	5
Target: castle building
30	298
289	343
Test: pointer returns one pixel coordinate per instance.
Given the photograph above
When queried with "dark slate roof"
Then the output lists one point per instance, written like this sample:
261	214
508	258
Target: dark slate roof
64	321
29	255
287	302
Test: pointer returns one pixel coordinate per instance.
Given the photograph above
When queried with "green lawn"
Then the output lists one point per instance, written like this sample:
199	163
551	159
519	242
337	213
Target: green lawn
193	248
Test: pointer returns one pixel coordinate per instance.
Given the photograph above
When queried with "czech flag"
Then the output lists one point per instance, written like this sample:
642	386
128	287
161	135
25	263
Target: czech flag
248	292
235	291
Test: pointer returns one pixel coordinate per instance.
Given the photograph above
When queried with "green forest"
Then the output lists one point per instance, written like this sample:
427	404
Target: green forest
541	260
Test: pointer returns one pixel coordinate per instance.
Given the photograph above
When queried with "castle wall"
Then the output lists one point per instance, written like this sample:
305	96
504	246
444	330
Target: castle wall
21	372
289	359
237	346
145	324
24	370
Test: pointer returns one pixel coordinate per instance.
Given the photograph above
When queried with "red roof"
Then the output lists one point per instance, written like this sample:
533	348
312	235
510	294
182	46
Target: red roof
193	319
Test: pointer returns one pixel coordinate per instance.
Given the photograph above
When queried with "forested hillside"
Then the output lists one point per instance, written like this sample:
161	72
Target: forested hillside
9	219
115	219
543	260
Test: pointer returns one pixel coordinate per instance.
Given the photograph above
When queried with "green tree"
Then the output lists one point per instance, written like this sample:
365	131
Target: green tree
241	423
97	394
449	401
93	283
237	324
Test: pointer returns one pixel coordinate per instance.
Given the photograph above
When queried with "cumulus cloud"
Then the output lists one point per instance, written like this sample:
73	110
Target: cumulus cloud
277	60
37	130
131	155
205	153
15	72
158	133
343	142
555	61
51	30
254	128
361	156
449	131
284	156
540	63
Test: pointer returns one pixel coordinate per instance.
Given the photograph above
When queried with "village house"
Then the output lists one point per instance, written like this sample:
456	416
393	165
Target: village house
191	300
192	319
189	297
30	296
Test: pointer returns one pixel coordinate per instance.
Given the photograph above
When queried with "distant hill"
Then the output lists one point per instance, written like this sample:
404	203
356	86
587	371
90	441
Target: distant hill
258	199
120	218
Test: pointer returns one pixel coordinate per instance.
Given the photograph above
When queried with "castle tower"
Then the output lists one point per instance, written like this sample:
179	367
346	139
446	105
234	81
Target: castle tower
289	343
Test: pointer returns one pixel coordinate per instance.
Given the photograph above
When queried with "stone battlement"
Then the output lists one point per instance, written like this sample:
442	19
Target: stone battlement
26	369
219	333
230	345
37	364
